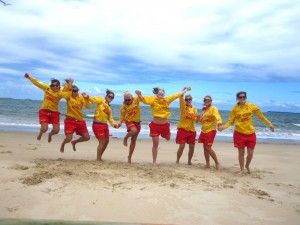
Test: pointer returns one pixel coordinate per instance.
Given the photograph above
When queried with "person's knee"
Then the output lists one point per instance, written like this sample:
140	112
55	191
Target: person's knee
68	139
44	129
86	137
55	130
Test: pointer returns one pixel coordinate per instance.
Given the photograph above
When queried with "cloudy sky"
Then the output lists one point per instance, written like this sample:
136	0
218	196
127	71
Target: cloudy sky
216	47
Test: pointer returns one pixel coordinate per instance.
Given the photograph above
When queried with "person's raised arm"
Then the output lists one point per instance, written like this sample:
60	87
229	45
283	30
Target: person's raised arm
86	101
148	100
37	83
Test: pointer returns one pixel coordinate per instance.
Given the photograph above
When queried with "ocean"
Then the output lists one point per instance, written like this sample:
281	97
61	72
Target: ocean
22	115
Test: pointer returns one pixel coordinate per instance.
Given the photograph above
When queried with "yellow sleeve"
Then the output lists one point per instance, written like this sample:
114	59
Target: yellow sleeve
261	116
111	119
86	103
66	91
217	116
122	115
148	100
181	102
230	120
171	98
39	84
96	100
196	114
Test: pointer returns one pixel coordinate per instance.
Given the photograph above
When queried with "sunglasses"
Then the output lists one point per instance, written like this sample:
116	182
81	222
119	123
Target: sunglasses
188	99
54	85
206	100
110	96
127	100
242	97
75	90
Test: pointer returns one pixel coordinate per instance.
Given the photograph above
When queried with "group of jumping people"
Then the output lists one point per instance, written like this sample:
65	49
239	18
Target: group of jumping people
244	136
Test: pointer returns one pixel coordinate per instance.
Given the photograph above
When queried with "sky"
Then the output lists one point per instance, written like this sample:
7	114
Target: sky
216	47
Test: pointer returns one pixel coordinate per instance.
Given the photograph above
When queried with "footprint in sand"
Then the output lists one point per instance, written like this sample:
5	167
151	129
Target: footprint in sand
2	146
5	152
12	209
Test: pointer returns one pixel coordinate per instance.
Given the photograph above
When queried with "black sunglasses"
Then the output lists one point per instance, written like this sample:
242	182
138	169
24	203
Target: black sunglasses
206	100
54	85
75	90
127	100
110	96
188	99
242	97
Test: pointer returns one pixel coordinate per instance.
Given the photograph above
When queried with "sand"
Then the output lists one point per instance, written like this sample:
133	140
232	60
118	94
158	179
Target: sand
39	182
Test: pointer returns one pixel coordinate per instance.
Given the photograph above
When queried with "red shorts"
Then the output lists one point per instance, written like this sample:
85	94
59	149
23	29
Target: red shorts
137	126
160	129
47	116
207	138
78	126
101	130
244	140
185	136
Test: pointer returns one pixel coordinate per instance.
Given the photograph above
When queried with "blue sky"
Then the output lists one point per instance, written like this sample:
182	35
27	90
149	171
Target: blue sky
216	47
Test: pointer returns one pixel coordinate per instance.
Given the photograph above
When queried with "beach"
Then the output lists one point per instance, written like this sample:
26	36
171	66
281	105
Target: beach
39	182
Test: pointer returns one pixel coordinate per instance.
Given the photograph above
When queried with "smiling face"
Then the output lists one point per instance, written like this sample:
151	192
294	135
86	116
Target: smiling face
161	93
188	100
128	99
75	92
55	86
207	100
109	97
241	98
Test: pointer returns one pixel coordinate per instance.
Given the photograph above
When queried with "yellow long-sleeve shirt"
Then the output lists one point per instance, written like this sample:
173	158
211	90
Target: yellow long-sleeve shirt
103	112
132	112
188	116
160	106
210	119
242	115
75	105
51	98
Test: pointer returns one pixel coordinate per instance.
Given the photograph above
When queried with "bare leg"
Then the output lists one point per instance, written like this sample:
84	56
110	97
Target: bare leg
132	147
84	137
191	153
65	141
179	152
55	130
241	159
101	148
130	133
206	156
213	155
250	152
43	129
155	141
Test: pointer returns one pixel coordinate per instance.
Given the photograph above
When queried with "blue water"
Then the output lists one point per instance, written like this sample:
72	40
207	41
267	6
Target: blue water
22	115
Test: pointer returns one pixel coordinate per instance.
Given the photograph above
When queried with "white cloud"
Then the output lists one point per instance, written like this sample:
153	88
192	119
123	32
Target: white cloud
213	39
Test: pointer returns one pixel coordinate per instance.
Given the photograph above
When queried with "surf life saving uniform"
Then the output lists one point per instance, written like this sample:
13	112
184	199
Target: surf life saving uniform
131	114
102	115
244	132
186	132
74	121
160	109
209	121
48	112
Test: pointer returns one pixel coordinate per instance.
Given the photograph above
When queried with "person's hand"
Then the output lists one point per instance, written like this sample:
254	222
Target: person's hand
272	129
26	75
138	92
115	126
220	127
85	95
119	125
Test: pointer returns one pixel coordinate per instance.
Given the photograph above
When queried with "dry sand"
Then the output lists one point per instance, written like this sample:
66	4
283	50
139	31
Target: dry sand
37	181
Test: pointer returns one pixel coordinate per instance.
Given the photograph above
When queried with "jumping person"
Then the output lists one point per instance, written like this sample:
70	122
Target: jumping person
186	127
244	131
130	112
74	121
48	113
160	125
210	121
102	114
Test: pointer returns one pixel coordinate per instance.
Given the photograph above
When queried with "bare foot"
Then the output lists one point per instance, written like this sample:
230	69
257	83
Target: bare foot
39	136
129	160
242	173
73	145
177	162
207	166
62	148
248	169
125	142
218	166
189	163
49	137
